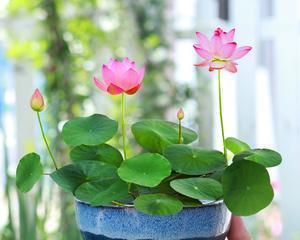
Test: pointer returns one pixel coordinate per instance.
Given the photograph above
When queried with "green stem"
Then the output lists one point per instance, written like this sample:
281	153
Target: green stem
179	132
123	126
45	140
118	203
221	112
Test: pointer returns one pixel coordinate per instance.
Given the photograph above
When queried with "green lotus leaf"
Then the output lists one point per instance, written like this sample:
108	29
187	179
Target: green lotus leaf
103	152
70	177
198	188
92	130
235	145
265	157
147	169
29	171
194	161
156	135
102	192
158	204
247	188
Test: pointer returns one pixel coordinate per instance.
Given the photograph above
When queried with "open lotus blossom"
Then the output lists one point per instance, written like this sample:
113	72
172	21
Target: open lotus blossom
120	77
220	51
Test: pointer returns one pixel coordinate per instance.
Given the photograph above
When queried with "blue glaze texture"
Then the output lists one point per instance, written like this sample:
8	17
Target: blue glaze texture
206	222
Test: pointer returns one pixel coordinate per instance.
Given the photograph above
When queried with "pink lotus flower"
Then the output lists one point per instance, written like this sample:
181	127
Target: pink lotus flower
120	77
220	51
37	101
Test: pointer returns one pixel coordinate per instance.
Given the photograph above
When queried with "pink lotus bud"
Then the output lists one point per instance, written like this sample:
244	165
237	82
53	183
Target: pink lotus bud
180	114
37	101
120	77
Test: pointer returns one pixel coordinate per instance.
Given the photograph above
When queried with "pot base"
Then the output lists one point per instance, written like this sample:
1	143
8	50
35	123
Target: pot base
207	222
90	236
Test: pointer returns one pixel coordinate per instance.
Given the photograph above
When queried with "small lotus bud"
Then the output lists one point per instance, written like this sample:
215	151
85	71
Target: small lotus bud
37	101
180	114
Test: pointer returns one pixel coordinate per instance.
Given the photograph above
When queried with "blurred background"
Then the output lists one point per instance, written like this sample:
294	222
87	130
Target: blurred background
58	46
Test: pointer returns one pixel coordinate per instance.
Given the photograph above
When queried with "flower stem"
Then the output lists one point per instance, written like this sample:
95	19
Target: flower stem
221	112
45	140
179	132
118	203
124	126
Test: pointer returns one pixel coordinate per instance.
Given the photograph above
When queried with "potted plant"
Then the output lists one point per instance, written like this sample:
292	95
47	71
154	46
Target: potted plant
172	189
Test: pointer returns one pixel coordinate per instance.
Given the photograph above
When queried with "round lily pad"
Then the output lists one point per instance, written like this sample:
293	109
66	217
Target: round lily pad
72	176
147	169
158	204
29	171
246	187
198	188
235	145
102	192
194	161
165	188
103	152
155	135
265	157
93	130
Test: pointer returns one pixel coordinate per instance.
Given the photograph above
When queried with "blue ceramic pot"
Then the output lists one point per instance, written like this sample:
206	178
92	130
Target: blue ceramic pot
206	222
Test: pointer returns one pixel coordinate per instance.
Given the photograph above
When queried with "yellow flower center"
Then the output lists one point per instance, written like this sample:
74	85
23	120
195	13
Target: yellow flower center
216	59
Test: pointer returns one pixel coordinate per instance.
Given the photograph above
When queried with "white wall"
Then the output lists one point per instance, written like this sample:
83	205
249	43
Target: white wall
287	49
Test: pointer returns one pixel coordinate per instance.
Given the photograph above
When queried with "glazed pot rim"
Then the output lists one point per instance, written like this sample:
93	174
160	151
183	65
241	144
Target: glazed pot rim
126	206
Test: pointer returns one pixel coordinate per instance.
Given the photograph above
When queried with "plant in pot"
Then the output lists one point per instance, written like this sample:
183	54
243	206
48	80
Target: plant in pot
172	189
